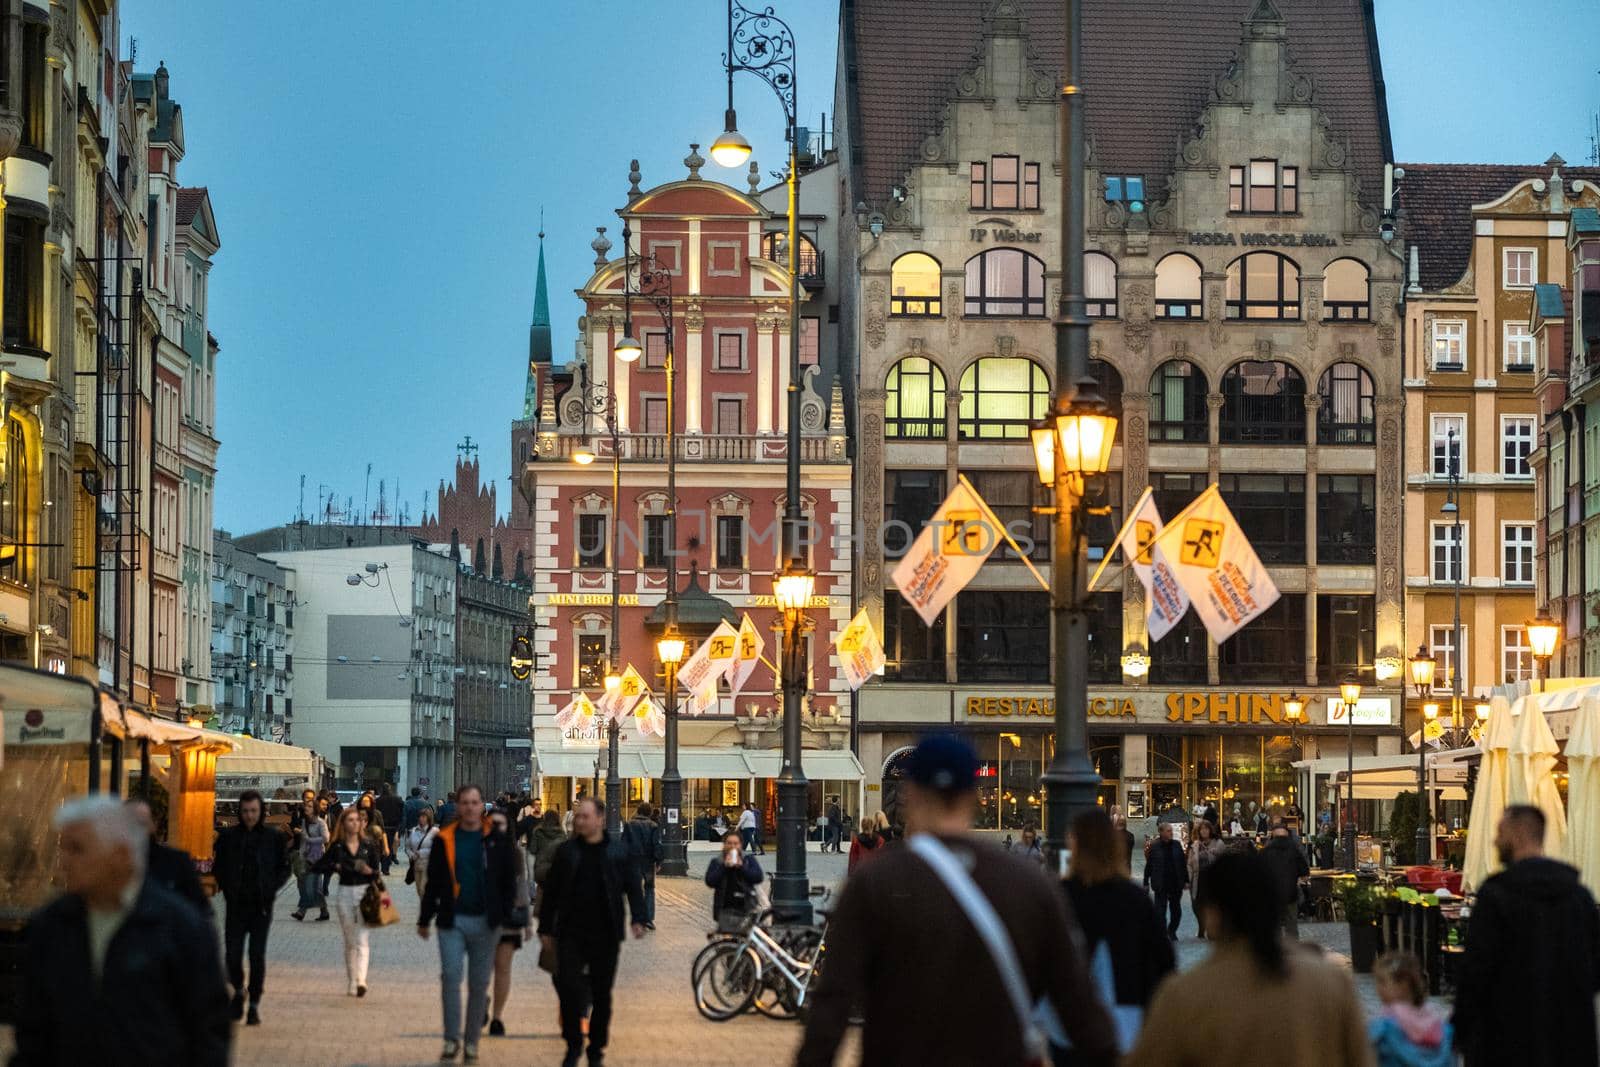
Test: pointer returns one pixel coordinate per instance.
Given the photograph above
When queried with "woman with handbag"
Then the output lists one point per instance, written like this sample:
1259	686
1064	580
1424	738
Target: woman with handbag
313	844
355	859
419	843
512	934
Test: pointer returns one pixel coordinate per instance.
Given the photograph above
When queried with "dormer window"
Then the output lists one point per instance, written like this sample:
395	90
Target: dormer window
1264	188
1125	189
1005	183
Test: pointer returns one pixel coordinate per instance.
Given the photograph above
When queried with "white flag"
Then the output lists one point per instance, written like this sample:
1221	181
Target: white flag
1163	595
711	659
616	705
579	712
748	655
948	552
860	652
1214	563
649	719
705	698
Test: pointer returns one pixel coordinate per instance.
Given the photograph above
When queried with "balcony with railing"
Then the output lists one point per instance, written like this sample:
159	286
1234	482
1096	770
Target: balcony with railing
704	448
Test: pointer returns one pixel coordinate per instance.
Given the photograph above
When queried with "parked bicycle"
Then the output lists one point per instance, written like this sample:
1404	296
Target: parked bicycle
770	968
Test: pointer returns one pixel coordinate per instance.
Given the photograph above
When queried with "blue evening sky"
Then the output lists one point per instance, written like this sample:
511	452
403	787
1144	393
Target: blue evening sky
377	182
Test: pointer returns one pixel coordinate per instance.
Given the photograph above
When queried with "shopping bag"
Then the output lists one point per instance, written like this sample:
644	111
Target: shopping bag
377	907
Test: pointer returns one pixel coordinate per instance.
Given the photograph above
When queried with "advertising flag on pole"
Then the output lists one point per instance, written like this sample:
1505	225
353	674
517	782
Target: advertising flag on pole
1165	598
860	652
948	552
711	659
579	712
649	719
747	655
629	692
705	698
1212	560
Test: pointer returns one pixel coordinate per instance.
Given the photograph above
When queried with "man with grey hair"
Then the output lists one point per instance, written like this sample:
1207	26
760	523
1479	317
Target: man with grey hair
117	969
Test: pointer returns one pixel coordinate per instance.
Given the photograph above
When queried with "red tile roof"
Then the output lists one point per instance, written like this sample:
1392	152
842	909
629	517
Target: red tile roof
189	201
1436	202
1149	67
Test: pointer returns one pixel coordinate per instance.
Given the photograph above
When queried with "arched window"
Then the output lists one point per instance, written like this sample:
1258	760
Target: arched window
1178	403
1347	415
1263	402
1100	285
914	406
914	285
1110	382
1005	283
1263	285
1001	398
1346	294
774	246
1178	293
14	506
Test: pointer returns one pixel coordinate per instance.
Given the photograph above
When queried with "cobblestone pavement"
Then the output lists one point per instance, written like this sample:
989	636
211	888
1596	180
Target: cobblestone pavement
309	1021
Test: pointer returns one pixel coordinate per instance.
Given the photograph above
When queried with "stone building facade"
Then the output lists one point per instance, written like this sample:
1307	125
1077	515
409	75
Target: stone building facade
1245	329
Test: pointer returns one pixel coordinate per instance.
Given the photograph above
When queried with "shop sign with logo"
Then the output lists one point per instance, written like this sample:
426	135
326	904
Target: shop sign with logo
1369	711
41	726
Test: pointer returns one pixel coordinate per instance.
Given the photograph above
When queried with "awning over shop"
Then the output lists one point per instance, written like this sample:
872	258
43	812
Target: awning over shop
700	762
163	732
1383	777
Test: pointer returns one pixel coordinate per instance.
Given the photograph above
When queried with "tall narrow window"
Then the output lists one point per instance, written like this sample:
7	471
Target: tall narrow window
1518	347
1449	345
1442	646
1516	553
591	661
980	186
730	351
1178	294
810	340
655	540
655	350
1516	442
1449	551
655	414
1516	655
914	400
1030	187
1448	432
1100	285
1346	415
730	416
1346	294
730	542
1178	403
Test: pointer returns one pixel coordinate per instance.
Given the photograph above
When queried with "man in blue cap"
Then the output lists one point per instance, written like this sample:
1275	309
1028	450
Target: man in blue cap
943	940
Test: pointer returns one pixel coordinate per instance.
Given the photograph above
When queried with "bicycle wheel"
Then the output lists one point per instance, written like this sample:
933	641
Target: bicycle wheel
728	982
705	954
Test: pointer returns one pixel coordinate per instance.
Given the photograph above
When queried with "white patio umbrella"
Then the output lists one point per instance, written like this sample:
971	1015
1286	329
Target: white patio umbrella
1489	795
1583	793
1533	779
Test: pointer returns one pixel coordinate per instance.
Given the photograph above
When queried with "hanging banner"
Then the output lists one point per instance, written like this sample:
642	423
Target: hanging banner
649	719
948	552
860	652
711	659
748	655
1214	563
1165	599
579	715
704	699
629	692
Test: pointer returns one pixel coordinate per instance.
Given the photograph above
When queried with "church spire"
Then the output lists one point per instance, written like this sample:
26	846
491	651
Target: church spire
538	334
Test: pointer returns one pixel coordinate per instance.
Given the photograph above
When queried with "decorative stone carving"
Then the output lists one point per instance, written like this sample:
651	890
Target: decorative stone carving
1136	311
1389	497
1005	346
1312	287
753	179
634	192
936	146
1263	348
694	161
1180	349
813	412
601	245
1197	151
1216	331
694	318
1386	335
875	325
916	346
1229	85
952	296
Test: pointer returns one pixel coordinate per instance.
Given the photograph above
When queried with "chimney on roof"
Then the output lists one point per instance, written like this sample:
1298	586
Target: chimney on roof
1414	281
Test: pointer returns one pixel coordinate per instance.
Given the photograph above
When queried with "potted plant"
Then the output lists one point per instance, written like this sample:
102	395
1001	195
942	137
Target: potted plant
1363	903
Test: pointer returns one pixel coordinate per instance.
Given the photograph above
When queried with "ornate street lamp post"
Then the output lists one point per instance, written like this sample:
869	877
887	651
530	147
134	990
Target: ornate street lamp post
1422	669
1350	696
604	404
654	284
762	44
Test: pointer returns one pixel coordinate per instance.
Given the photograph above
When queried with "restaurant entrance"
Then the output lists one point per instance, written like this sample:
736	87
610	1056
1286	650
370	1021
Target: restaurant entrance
1240	772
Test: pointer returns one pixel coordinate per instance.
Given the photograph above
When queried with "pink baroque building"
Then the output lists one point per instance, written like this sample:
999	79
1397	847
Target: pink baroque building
729	317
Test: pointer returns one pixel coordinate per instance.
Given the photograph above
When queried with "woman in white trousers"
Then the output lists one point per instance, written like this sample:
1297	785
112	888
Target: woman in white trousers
355	859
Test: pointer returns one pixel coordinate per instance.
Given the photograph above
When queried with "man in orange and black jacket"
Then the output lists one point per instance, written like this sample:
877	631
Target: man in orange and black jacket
471	890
